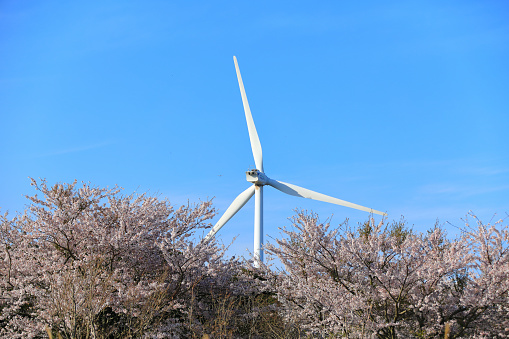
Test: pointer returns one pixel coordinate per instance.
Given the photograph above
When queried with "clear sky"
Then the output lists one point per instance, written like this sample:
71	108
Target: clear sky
402	106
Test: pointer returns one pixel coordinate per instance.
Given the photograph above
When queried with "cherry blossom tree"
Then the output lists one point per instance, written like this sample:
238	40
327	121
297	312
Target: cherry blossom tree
77	252
89	262
385	281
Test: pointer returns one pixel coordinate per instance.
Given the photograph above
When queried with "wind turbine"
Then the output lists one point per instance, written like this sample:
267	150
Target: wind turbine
259	179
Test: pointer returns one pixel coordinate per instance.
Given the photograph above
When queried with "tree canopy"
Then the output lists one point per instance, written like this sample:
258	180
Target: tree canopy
89	262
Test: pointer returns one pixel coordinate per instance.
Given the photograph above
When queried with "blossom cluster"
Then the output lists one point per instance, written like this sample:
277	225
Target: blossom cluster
385	281
88	262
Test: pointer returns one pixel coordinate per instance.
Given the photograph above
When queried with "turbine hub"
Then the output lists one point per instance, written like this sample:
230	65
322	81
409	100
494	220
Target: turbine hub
256	177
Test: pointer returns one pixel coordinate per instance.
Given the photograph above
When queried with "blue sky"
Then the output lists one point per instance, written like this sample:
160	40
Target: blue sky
396	105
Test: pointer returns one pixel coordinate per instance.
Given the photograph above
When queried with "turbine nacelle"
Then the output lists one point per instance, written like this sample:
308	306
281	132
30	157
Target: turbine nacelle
256	177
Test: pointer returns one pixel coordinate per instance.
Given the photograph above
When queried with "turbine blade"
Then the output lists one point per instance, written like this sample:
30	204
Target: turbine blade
253	135
234	207
305	193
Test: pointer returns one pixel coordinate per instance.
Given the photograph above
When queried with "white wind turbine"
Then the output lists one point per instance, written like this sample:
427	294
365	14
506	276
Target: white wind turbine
258	178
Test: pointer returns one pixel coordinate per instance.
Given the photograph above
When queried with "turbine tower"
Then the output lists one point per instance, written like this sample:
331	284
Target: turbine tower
259	179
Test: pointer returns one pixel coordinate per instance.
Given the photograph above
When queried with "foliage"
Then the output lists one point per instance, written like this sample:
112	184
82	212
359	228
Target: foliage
385	281
91	263
88	262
